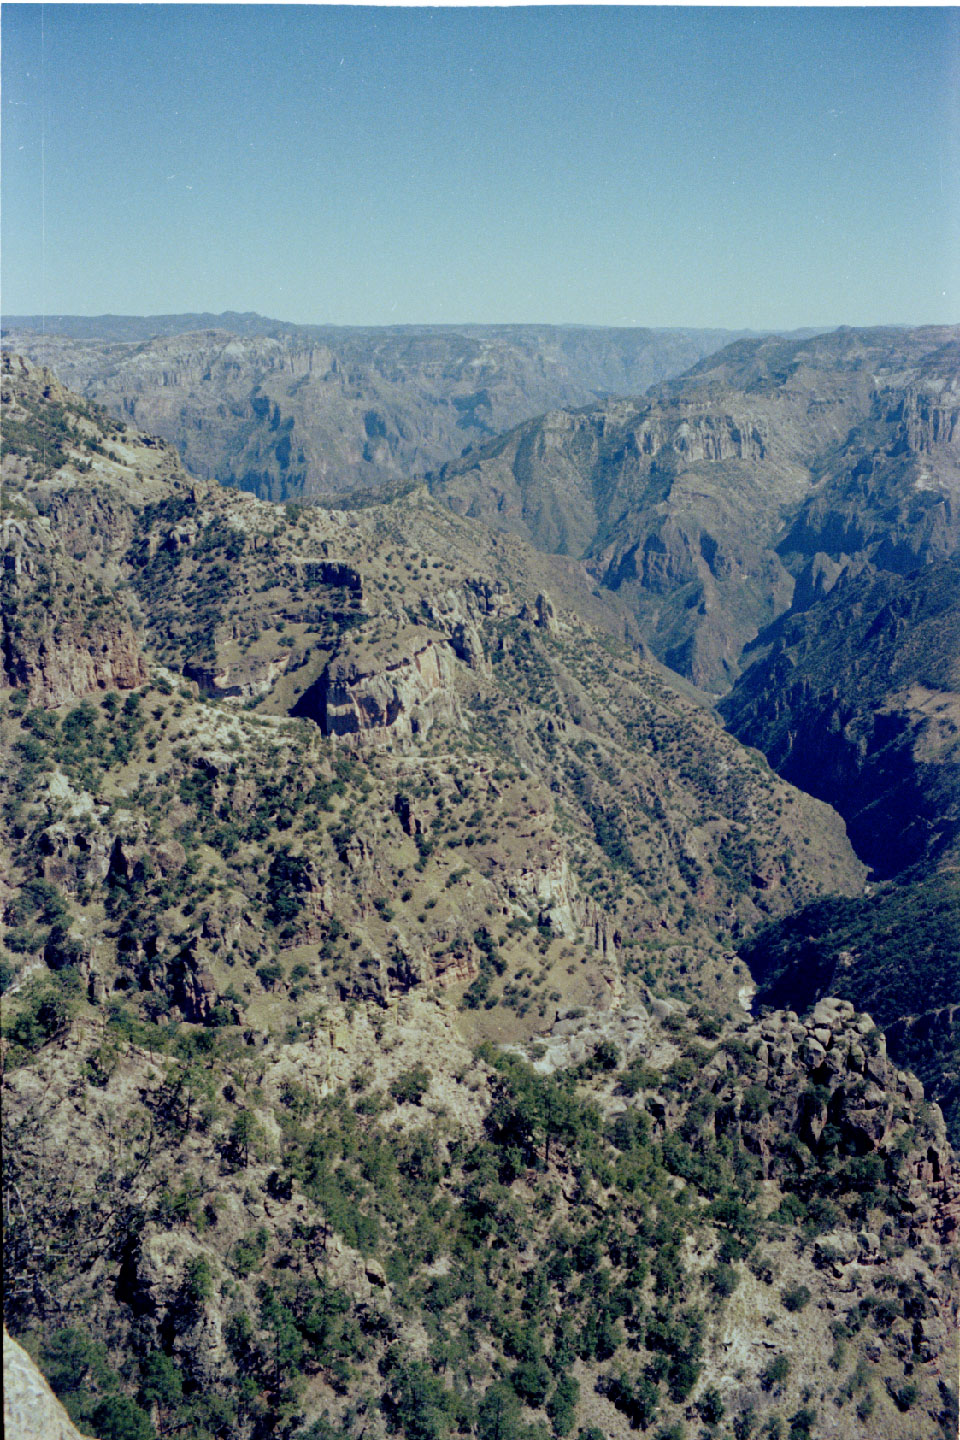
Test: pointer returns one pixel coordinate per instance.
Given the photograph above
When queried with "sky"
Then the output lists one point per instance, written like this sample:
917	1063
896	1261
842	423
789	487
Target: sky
730	167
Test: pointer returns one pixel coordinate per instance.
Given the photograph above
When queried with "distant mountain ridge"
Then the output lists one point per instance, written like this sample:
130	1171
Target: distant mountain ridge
251	322
708	502
143	327
296	412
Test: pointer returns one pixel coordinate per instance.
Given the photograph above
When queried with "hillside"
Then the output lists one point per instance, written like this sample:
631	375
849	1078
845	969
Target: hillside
374	1054
857	699
297	412
768	468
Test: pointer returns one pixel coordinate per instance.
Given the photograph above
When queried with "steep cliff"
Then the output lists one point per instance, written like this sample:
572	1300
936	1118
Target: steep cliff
705	505
293	412
857	698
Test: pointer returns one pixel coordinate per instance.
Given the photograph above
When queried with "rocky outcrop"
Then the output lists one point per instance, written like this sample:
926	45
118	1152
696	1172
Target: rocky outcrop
404	697
63	637
829	1083
31	1411
459	614
927	418
68	666
714	438
157	1283
244	680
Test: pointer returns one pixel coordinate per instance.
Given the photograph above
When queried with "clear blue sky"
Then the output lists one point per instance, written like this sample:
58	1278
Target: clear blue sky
766	168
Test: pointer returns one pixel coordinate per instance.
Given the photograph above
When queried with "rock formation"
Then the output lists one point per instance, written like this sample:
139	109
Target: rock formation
703	504
295	412
31	1411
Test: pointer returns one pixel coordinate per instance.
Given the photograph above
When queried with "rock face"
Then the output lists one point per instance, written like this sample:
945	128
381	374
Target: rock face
61	639
31	1411
857	699
705	504
405	697
856	948
292	412
65	633
831	1085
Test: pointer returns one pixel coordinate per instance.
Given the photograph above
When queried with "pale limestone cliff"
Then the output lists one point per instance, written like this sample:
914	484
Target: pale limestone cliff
31	1411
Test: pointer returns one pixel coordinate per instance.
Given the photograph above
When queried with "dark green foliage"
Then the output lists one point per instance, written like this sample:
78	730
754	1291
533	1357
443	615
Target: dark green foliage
775	1372
755	1103
609	828
410	1087
160	1381
44	431
45	1013
532	1380
802	1422
244	1136
529	1110
711	1406
638	1076
637	1399
417	1402
248	1253
498	1414
614	1271
323	1429
195	1290
744	1424
904	1396
36	906
561	1407
724	1280
71	1359
62	950
117	1417
286	882
81	1376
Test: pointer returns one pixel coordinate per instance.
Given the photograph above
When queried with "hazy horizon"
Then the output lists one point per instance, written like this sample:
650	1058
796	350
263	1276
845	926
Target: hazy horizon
7	318
600	167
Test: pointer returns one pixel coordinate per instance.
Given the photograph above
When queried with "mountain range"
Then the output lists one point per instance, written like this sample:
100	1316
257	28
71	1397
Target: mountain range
294	412
385	902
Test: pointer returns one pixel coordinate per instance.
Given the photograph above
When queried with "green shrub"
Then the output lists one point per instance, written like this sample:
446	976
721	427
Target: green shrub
410	1087
710	1406
117	1417
775	1372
